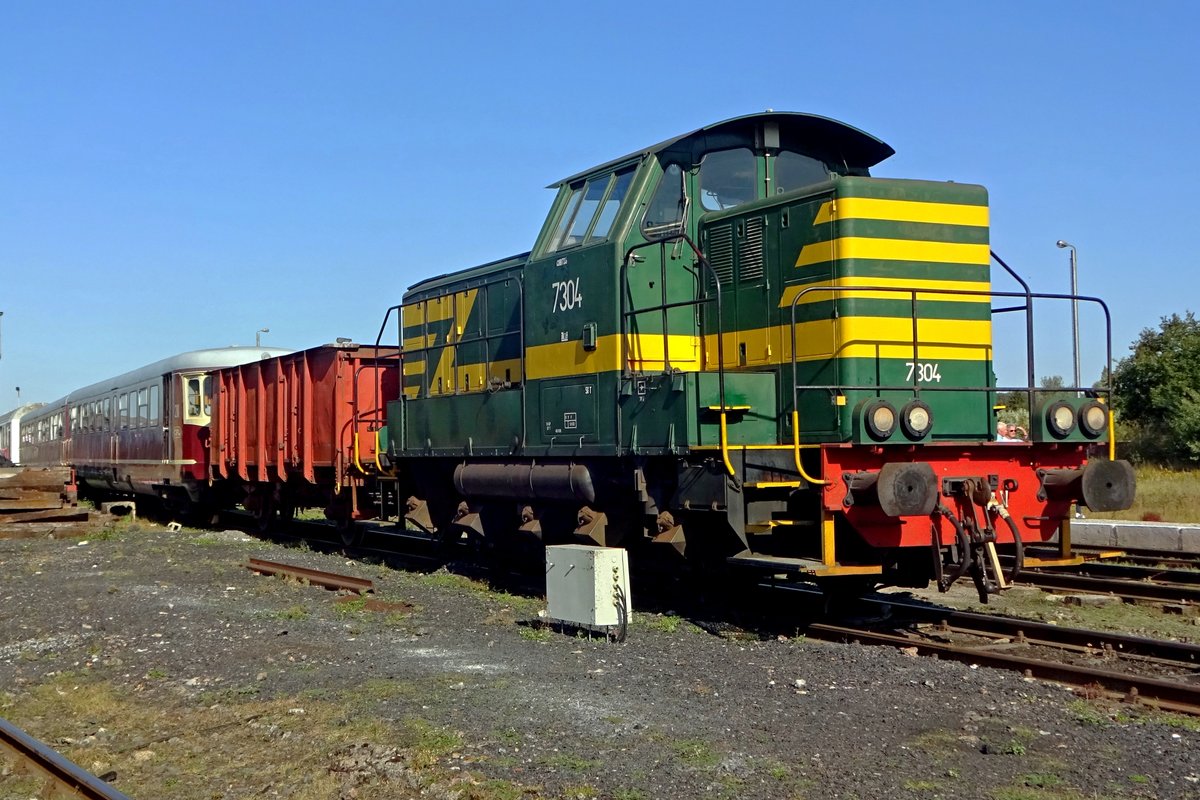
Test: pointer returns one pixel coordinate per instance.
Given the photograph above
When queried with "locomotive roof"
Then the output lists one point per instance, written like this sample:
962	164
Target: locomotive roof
212	358
458	276
856	147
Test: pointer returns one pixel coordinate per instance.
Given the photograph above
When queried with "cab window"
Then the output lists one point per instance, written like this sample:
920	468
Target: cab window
608	212
727	178
793	170
569	209
590	210
669	203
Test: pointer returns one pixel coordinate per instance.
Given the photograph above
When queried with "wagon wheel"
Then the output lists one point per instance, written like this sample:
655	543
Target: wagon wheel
339	512
287	505
261	505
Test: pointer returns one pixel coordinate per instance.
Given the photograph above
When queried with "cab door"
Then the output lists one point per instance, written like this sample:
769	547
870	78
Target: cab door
663	283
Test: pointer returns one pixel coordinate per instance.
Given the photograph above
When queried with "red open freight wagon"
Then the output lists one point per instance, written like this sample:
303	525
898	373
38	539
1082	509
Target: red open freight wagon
302	430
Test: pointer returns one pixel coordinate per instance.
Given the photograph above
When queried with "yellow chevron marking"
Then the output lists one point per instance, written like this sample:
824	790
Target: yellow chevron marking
412	315
893	250
902	211
902	286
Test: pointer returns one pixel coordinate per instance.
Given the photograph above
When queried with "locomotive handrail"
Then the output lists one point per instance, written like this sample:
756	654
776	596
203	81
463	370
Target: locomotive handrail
1028	308
916	387
626	372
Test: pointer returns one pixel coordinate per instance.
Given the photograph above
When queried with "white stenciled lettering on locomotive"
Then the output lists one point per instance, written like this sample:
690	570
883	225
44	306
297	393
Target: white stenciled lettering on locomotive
926	371
567	295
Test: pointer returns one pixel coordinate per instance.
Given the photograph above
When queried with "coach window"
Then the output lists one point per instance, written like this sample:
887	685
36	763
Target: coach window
122	411
193	397
155	416
143	411
107	419
793	170
727	178
207	395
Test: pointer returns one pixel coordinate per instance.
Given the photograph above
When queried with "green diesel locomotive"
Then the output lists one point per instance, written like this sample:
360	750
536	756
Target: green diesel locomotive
737	345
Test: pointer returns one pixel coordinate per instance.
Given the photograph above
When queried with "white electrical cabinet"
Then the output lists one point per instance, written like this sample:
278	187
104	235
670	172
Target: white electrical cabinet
587	585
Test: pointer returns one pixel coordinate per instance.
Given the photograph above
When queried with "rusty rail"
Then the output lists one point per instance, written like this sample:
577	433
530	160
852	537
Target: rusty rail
67	776
1169	694
330	580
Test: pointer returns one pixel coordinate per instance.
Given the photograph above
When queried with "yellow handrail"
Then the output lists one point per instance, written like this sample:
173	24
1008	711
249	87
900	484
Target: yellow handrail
796	451
378	447
357	463
1112	437
725	444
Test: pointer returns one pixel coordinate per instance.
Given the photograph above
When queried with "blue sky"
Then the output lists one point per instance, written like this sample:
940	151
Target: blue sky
178	175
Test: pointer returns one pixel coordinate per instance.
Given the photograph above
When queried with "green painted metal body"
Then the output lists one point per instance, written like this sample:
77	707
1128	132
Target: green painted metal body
601	342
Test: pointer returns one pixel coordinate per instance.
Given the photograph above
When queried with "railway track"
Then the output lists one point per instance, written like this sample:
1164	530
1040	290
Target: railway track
1158	673
1133	582
63	777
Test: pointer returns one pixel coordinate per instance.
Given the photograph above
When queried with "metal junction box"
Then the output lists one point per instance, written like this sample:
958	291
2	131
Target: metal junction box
587	585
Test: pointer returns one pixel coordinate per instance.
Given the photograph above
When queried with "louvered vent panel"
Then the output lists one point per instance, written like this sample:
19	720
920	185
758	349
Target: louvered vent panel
720	252
750	251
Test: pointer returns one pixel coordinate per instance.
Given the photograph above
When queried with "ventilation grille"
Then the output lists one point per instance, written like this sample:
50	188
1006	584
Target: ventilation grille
750	251
720	252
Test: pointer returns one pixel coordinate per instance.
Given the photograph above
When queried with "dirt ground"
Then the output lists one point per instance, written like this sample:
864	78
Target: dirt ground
157	660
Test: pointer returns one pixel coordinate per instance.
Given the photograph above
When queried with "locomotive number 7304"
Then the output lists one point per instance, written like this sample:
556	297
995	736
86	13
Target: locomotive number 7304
566	295
926	371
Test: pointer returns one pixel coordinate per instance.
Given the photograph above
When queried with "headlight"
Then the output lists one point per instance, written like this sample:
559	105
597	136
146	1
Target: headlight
880	418
916	420
1060	419
1093	419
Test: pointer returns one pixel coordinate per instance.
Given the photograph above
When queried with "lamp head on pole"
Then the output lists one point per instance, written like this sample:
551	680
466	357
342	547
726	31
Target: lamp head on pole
1063	243
258	336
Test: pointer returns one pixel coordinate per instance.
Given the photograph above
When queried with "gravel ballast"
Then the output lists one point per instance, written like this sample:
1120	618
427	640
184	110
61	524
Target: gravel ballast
157	658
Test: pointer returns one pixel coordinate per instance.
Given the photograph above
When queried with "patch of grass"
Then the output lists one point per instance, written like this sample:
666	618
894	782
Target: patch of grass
695	753
1036	793
1139	779
1042	780
428	741
295	612
667	623
533	634
510	737
570	761
581	792
1014	747
935	742
630	794
156	674
494	790
921	786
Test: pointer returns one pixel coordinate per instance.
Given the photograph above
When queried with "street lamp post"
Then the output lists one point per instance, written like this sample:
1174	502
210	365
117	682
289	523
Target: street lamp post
1074	304
258	336
1	339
